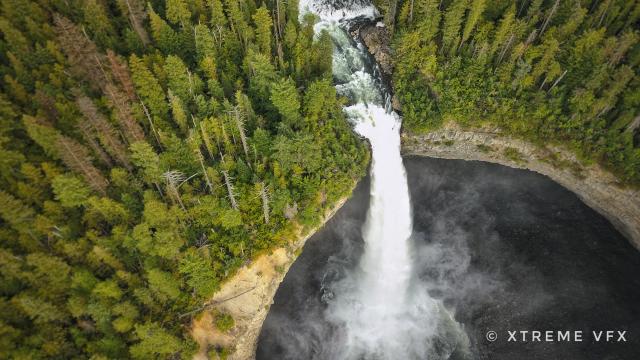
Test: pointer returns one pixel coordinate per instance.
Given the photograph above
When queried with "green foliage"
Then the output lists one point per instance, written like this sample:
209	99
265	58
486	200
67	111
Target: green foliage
546	71
284	97
70	190
224	322
143	146
154	341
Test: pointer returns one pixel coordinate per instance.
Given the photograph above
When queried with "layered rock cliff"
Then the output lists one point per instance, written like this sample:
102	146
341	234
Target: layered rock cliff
597	187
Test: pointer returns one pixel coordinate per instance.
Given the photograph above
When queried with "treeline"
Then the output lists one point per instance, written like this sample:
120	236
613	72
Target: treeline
546	70
147	150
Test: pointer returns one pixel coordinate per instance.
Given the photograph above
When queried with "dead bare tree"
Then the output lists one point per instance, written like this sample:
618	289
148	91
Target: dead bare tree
173	179
230	190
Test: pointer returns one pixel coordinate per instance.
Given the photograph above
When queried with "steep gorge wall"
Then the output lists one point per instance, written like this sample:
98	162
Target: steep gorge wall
595	186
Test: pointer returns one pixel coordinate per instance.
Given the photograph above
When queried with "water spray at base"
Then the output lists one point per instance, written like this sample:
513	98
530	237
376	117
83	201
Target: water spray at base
380	311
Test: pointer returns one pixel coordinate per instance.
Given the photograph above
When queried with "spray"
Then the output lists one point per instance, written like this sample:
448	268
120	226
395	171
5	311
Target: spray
379	314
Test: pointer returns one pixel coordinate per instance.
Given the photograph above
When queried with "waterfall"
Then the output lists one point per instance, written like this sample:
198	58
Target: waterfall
379	312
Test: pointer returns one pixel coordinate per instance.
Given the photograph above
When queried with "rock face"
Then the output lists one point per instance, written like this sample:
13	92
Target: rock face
595	186
376	38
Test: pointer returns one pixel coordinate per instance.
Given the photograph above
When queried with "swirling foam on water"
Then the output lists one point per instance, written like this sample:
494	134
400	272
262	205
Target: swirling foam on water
379	309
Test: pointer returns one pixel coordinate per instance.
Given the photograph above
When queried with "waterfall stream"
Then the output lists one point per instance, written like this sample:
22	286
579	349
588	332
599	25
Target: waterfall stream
379	310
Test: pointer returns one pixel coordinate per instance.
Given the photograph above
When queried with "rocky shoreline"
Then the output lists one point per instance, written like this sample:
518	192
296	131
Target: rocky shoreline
595	186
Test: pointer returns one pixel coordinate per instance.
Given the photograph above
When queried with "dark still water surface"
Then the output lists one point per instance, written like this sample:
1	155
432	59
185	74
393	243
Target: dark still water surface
504	249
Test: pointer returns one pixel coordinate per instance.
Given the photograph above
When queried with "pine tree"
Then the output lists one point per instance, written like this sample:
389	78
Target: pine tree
134	10
178	12
105	132
15	213
121	73
452	21
98	24
182	82
167	40
218	19
504	32
82	54
263	30
148	88
76	157
70	190
89	136
178	112
475	11
285	98
239	23
43	135
144	157
124	113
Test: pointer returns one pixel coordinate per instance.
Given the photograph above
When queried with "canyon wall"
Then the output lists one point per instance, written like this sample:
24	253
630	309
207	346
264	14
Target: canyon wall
595	186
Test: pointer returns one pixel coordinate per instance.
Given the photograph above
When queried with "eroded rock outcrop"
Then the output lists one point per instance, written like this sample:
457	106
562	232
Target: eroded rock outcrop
377	39
597	187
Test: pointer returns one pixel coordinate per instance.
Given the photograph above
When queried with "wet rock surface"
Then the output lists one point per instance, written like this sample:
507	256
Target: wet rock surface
377	38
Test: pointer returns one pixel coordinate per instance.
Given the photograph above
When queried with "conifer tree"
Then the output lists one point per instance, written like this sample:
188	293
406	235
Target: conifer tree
475	11
167	40
264	24
82	54
452	21
77	158
134	10
148	88
104	131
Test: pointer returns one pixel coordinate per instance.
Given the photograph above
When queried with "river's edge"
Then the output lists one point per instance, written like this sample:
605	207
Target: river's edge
596	187
248	295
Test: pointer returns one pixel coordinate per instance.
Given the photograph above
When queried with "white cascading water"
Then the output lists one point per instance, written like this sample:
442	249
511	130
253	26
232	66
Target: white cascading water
379	313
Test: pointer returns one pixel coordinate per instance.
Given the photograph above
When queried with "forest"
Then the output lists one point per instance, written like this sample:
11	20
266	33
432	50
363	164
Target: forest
147	151
549	71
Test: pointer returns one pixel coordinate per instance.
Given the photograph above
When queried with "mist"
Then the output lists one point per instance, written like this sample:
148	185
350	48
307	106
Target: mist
421	266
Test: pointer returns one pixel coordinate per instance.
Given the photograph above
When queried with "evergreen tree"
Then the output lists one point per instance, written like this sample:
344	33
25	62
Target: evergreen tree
264	24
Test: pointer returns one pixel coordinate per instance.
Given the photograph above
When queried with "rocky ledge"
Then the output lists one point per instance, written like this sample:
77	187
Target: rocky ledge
595	186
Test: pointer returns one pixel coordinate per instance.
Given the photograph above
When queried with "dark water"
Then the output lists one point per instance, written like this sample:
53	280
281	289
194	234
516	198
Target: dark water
505	249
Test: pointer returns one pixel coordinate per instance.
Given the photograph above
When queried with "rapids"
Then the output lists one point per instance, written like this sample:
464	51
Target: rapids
379	308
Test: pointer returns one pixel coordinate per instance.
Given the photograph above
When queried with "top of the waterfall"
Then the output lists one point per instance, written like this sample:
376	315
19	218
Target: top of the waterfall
339	10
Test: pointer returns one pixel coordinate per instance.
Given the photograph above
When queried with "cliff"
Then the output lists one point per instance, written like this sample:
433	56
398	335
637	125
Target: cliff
597	187
247	297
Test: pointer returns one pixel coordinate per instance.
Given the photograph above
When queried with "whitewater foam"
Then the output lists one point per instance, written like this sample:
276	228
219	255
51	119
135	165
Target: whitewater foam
379	312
